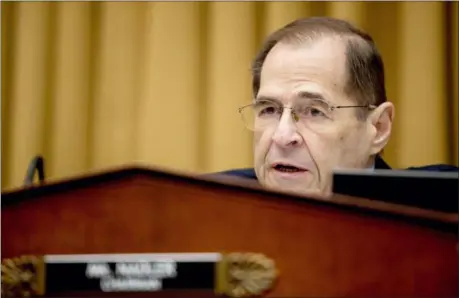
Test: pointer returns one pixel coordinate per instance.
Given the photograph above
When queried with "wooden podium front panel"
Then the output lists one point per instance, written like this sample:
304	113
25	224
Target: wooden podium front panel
321	249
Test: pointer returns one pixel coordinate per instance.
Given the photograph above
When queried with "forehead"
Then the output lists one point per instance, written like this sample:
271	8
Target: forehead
316	66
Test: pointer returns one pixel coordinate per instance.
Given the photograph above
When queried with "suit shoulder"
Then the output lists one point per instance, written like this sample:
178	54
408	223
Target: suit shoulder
436	168
244	173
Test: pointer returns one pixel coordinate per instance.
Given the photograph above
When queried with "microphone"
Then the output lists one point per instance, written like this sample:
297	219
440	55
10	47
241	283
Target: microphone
36	165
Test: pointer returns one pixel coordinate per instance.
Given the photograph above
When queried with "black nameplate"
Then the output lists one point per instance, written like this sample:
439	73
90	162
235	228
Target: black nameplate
130	273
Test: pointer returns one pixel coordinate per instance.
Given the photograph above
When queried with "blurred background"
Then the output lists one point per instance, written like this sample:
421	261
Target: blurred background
96	85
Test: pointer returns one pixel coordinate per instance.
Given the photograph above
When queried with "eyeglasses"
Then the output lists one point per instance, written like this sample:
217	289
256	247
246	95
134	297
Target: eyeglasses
312	113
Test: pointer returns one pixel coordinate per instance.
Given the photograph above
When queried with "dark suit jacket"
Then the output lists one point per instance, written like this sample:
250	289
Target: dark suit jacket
379	164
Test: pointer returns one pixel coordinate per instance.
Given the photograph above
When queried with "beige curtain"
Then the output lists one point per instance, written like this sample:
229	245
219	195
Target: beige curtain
93	85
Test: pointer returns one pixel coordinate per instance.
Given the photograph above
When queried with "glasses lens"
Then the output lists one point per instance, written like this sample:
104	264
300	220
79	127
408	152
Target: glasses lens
260	115
248	117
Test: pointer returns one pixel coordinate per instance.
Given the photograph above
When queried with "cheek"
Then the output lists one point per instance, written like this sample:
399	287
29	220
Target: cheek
323	148
339	148
354	149
318	144
262	142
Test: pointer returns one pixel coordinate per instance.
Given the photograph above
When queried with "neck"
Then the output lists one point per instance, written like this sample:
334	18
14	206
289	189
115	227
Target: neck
371	163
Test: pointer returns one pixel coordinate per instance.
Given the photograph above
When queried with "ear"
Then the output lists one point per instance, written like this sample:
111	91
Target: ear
381	121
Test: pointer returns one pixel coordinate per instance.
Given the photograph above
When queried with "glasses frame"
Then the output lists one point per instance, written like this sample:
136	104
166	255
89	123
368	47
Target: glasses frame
296	118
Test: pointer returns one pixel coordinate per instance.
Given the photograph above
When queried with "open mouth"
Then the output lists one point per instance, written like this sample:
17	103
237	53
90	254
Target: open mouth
287	168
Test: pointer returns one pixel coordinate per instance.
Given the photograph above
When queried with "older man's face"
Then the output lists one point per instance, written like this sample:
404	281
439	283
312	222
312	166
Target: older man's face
301	155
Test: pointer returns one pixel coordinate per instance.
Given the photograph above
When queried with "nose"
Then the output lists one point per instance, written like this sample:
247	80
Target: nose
286	134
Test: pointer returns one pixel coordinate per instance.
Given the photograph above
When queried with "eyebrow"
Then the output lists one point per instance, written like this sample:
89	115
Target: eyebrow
311	95
301	94
267	98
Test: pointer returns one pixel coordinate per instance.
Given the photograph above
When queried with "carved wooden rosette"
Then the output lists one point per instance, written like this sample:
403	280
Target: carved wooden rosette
22	277
246	275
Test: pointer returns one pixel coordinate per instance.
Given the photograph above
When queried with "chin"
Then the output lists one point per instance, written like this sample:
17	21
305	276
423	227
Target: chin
304	186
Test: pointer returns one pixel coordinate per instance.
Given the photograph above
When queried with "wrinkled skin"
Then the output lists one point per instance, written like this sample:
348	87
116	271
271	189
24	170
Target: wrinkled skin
347	142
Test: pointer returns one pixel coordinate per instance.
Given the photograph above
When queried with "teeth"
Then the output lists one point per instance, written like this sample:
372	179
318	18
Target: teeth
288	169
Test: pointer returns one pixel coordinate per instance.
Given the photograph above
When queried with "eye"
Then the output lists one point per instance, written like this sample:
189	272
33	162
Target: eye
268	111
315	112
311	111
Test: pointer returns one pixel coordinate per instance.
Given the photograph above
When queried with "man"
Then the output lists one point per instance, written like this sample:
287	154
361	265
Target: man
319	104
